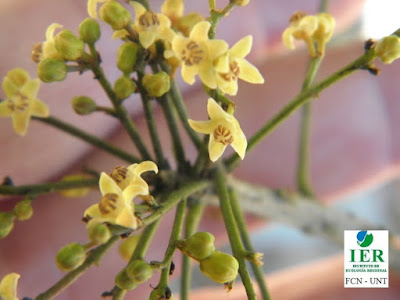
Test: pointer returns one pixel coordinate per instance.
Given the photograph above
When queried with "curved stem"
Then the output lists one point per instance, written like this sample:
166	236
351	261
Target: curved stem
94	257
233	233
47	187
88	138
360	63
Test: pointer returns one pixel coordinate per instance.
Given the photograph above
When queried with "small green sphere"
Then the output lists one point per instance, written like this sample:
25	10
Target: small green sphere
23	210
83	105
127	56
89	31
70	257
139	271
124	87
52	69
69	45
114	14
198	246
156	84
124	282
220	267
99	233
6	223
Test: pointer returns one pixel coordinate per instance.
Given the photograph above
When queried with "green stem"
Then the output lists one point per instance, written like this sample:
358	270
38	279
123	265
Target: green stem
151	124
179	105
363	62
192	222
233	232
241	224
217	15
303	178
94	257
175	197
47	187
91	139
120	110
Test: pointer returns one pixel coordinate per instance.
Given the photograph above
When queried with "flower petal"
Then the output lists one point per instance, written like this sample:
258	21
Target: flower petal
288	39
240	143
31	88
93	212
215	149
188	73
206	127
215	111
207	75
147	38
8	286
120	34
4	109
138	187
242	47
21	122
145	166
126	219
108	185
52	27
38	108
249	73
216	48
221	64
139	10
200	31
227	87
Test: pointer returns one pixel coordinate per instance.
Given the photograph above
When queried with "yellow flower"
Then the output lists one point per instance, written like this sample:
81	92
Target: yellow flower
238	67
21	102
116	206
198	54
388	49
131	175
173	9
8	287
223	129
92	7
151	26
48	47
312	29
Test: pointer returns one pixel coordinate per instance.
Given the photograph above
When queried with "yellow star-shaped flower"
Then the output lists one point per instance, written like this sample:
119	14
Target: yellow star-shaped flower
312	29
223	129
21	102
198	54
151	26
8	287
238	67
116	206
131	175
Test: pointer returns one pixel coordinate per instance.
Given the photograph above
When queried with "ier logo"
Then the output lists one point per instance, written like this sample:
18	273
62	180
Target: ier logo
366	259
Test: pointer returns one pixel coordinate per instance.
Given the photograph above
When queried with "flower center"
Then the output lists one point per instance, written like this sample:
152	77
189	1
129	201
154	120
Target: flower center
223	135
149	18
193	54
108	203
19	103
233	73
119	174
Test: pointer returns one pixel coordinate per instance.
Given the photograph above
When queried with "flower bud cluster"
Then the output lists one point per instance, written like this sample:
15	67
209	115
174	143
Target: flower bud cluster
22	211
137	272
218	266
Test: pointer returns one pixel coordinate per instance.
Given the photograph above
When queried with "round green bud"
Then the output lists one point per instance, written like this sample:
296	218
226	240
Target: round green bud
220	267
124	282
126	57
70	257
139	271
69	45
89	31
99	233
156	84
52	69
114	14
388	49
83	105
6	223
23	210
124	87
198	246
240	2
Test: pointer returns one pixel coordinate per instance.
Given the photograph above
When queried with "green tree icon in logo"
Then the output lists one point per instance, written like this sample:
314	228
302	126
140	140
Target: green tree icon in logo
364	239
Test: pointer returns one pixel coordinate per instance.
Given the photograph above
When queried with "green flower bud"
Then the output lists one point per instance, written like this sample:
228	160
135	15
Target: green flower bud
127	246
220	267
99	233
69	45
186	23
126	57
70	257
388	49
124	87
199	246
115	15
89	31
83	105
124	282
139	271
23	210
156	84
6	223
52	69
240	2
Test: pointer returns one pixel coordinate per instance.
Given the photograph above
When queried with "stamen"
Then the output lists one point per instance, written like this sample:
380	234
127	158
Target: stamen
149	18
223	135
108	203
193	54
